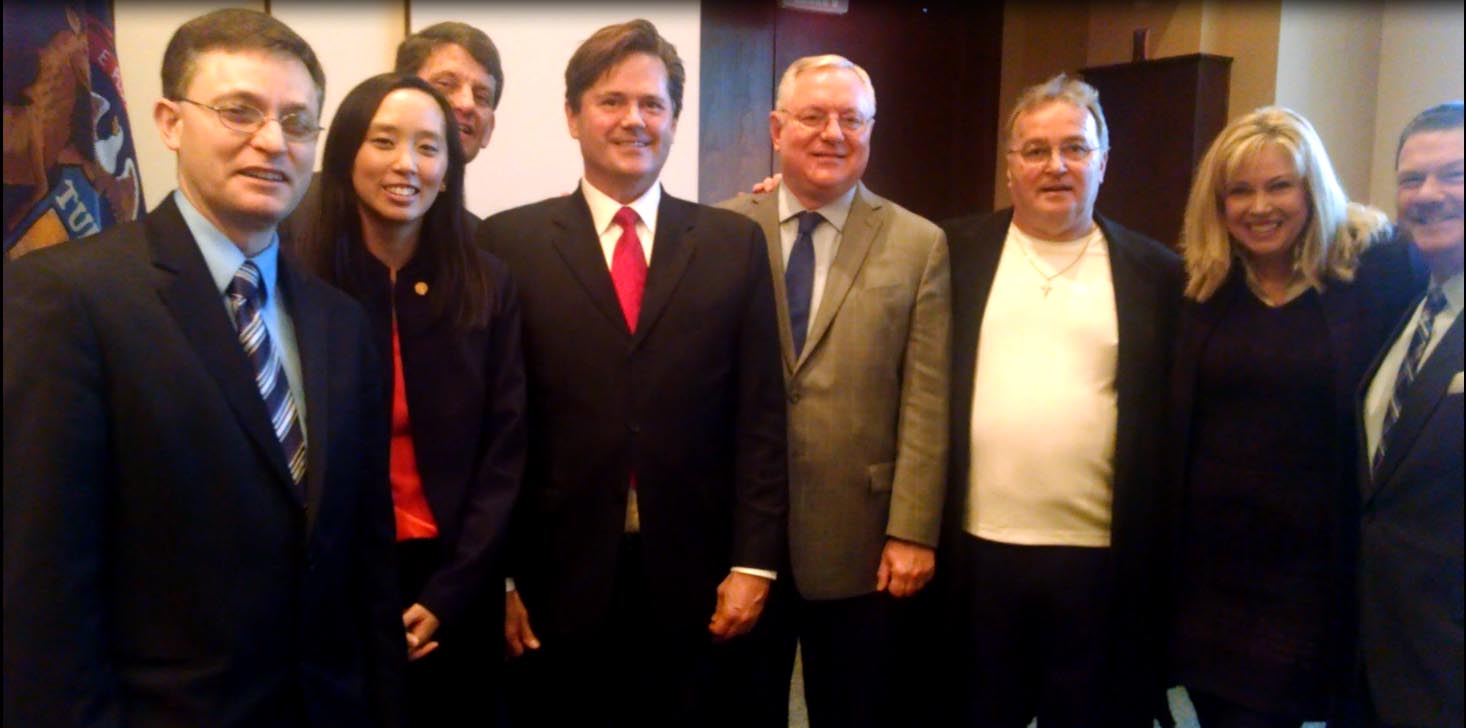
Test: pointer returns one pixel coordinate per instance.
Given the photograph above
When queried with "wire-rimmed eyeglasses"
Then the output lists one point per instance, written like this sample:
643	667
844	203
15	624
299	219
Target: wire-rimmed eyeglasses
297	126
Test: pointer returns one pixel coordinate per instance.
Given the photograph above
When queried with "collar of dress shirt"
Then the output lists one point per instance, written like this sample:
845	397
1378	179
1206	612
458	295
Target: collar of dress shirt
221	255
834	213
603	208
1454	288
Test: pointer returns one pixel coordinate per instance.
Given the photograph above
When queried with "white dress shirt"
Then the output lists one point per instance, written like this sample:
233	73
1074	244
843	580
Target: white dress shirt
826	239
1382	386
603	211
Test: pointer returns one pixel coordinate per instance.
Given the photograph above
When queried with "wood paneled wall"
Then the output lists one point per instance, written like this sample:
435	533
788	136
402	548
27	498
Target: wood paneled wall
935	67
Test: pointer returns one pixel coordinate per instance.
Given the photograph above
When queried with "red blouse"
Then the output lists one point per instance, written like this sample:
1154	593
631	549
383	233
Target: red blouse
414	518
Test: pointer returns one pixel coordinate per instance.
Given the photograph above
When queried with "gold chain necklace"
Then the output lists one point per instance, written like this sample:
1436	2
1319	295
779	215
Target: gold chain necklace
1048	282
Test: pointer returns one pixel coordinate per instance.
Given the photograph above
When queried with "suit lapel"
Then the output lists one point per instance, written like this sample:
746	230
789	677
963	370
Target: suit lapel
1361	397
1350	321
1198	322
578	244
765	211
1425	393
671	252
974	266
198	308
864	223
974	260
308	315
1342	320
1136	300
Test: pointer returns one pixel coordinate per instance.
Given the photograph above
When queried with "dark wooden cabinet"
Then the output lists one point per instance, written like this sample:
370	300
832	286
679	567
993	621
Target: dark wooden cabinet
1162	114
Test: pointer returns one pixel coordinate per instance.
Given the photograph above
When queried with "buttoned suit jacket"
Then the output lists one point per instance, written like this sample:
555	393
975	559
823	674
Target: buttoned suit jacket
1147	283
465	400
692	403
161	568
867	395
1411	565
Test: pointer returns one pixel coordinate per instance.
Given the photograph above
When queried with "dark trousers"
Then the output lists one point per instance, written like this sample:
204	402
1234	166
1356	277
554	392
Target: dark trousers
1356	709
1037	622
630	670
865	661
1218	712
460	682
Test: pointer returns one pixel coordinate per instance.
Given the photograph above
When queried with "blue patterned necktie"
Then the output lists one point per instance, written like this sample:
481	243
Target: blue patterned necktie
1435	302
799	278
246	297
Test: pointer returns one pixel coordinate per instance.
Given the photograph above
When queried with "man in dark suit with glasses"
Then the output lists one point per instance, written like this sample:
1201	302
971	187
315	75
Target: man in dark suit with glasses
198	529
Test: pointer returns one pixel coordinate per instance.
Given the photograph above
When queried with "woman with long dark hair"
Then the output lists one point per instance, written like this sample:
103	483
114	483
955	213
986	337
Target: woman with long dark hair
392	233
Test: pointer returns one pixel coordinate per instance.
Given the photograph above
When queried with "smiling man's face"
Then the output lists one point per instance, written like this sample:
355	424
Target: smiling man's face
625	127
469	89
821	164
1428	196
244	183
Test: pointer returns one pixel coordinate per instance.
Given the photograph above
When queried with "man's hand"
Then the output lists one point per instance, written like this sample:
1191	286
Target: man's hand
518	636
420	624
905	567
740	601
768	185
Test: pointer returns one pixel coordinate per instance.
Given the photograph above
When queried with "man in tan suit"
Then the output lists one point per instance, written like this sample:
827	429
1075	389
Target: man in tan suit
862	291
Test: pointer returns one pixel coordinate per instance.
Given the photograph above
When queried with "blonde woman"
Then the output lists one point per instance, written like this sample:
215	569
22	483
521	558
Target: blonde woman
1288	297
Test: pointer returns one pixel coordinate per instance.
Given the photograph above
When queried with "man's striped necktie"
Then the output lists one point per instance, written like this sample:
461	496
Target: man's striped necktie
1435	302
246	298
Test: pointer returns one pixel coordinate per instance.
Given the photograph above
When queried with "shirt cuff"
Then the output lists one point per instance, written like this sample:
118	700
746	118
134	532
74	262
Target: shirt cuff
765	573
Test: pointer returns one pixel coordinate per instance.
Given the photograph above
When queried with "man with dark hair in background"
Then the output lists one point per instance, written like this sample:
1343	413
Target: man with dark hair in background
198	529
651	519
463	64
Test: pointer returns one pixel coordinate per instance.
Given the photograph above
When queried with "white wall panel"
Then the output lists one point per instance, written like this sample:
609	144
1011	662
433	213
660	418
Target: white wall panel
143	28
531	155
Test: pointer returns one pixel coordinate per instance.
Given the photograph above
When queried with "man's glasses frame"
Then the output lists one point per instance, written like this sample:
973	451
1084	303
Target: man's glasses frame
296	126
816	120
1038	155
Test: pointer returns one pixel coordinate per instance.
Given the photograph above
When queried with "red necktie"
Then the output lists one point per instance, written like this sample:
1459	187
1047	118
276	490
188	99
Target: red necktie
628	274
628	267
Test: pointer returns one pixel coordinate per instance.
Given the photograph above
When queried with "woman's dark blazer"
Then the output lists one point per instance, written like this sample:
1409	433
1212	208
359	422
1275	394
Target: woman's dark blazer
1359	317
465	398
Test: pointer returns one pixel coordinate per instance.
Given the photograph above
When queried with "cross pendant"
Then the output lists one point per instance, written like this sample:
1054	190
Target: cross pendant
1046	287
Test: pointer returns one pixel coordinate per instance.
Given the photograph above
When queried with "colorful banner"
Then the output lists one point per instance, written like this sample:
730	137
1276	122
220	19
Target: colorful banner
70	166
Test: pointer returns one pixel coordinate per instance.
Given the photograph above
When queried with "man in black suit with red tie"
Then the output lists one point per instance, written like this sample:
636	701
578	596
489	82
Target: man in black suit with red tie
198	530
652	514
